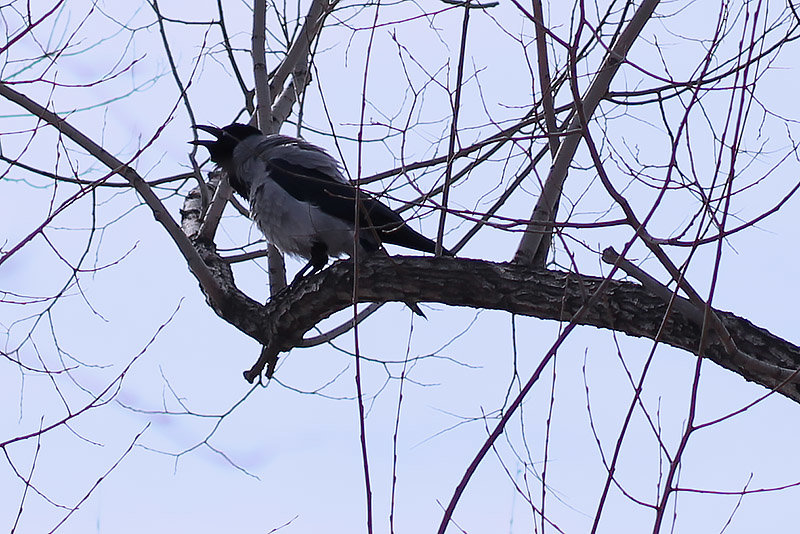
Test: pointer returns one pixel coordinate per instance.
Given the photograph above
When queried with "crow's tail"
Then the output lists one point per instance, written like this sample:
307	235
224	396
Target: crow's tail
407	237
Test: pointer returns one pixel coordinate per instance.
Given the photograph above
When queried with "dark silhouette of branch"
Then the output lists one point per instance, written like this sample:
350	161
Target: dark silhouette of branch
626	307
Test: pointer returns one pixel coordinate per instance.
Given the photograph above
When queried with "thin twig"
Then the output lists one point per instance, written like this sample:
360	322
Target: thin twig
448	173
684	306
357	207
342	328
226	42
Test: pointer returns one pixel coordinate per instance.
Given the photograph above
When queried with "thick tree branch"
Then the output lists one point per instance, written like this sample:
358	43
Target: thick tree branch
297	55
259	55
624	307
548	106
544	212
263	118
269	119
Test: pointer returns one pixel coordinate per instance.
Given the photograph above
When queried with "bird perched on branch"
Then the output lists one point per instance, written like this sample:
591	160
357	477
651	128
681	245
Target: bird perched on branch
300	199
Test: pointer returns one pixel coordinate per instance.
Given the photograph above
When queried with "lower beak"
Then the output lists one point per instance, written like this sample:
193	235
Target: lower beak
202	142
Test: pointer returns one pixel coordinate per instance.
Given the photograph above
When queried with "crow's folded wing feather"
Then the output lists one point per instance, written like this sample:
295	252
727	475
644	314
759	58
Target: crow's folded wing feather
336	198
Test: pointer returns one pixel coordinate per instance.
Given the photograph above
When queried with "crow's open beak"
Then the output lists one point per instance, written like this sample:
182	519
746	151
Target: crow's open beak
213	130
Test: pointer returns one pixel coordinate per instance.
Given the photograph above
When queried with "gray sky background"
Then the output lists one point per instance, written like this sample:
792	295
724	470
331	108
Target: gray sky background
290	451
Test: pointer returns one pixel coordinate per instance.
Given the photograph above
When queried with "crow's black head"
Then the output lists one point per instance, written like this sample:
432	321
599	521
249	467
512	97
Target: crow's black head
221	150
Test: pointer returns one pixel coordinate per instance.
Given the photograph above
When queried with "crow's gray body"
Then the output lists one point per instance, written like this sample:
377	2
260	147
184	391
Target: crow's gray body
292	225
300	199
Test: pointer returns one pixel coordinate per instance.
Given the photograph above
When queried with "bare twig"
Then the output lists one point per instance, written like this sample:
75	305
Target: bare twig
448	173
226	42
681	304
341	329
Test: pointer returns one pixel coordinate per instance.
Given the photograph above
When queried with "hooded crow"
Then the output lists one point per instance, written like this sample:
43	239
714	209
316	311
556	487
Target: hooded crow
300	199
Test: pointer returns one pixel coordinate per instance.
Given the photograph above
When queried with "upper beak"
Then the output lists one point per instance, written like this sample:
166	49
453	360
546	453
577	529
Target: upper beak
213	130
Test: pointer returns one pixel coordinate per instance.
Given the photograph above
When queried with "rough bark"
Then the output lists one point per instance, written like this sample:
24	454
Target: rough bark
629	308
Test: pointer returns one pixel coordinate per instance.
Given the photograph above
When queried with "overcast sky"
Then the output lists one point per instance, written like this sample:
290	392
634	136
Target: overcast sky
290	452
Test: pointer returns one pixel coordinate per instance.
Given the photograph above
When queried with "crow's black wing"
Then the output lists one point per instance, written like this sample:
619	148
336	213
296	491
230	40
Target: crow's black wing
336	198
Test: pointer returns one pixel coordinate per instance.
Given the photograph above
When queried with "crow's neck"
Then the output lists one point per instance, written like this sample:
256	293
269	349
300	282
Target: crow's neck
238	185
